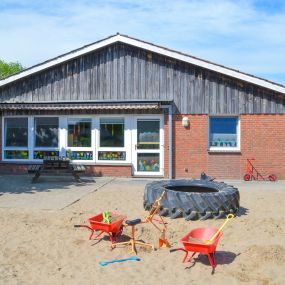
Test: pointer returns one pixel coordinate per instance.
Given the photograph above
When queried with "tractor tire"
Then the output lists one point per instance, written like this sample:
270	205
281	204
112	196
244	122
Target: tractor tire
208	199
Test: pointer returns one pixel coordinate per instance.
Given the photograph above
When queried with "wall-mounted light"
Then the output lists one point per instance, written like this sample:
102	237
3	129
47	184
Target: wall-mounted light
185	122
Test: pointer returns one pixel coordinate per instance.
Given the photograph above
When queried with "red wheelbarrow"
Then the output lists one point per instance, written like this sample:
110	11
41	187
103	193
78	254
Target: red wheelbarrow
196	241
113	229
251	173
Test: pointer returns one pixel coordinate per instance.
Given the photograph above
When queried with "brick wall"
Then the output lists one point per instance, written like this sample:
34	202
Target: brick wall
189	146
262	137
110	170
96	170
224	165
13	168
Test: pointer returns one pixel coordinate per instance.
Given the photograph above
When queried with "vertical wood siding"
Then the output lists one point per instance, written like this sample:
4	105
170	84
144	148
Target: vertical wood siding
122	72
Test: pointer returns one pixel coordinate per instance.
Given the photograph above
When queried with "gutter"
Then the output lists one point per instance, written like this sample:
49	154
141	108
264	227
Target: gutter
170	111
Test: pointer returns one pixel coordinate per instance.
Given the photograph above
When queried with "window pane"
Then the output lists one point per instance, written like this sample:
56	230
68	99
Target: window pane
148	162
223	132
148	134
16	132
41	154
46	132
112	132
112	155
16	154
79	133
79	155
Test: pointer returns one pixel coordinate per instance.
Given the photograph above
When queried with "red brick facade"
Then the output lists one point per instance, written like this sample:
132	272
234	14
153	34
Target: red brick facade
189	146
110	170
262	137
98	170
13	168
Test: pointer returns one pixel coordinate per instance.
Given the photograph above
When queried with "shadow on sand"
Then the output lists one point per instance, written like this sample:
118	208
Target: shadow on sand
20	184
222	257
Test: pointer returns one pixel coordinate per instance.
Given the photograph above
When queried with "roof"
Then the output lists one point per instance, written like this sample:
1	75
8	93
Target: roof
149	47
80	106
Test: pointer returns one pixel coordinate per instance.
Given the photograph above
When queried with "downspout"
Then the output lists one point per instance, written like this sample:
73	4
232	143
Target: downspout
169	107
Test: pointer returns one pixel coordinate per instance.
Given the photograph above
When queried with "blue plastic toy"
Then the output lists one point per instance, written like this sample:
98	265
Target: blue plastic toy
119	260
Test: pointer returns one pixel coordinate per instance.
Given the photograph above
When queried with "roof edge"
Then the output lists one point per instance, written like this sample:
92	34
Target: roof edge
150	47
80	106
134	101
60	59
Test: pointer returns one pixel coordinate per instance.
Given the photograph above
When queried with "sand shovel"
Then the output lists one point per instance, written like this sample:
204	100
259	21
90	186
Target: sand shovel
196	240
104	263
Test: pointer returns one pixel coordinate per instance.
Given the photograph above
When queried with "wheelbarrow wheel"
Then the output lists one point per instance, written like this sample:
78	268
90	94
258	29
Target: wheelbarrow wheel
246	177
272	177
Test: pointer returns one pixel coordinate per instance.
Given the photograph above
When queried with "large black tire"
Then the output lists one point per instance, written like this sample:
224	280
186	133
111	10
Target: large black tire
193	205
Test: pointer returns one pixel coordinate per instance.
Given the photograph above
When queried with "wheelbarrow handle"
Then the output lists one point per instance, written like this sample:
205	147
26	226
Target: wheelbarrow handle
83	226
229	217
176	249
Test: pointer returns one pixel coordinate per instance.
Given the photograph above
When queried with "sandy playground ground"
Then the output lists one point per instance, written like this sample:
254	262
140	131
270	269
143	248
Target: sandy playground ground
43	247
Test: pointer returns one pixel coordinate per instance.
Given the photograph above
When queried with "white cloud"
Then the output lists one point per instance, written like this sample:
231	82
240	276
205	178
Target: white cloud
238	34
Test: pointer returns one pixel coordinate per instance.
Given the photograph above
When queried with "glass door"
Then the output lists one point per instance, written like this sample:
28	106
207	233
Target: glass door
148	146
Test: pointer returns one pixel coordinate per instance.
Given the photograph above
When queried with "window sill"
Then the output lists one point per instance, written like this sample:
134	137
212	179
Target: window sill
101	163
224	151
112	164
20	161
77	162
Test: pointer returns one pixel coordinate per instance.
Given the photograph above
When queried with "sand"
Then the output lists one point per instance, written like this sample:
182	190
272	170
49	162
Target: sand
43	247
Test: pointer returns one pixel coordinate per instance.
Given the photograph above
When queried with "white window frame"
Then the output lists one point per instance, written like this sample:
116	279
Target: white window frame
224	149
4	148
64	137
127	139
159	151
33	137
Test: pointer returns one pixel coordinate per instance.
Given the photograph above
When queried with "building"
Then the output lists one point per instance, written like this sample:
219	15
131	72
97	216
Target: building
125	107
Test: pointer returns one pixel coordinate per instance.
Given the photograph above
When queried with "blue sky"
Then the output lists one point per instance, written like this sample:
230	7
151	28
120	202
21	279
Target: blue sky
248	35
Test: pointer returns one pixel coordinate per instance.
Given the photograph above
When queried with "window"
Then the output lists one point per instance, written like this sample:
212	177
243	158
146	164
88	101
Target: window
111	140
79	139
148	162
148	134
46	132
224	133
16	138
111	132
16	132
79	133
